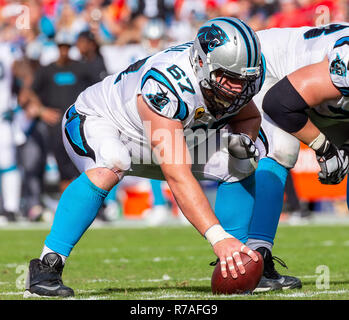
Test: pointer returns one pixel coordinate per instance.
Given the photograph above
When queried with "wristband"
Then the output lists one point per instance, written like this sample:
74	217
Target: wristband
317	142
216	233
320	144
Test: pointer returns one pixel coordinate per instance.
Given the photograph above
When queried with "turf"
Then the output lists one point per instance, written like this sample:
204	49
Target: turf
173	263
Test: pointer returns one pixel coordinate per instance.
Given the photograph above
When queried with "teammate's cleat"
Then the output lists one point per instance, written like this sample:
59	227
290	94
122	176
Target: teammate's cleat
271	279
45	278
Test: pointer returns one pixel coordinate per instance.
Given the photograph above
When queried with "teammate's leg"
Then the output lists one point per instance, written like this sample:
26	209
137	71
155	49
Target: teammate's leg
234	206
270	186
279	151
159	212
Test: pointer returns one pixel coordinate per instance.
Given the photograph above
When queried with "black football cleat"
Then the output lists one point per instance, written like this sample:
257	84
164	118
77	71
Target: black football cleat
271	279
45	278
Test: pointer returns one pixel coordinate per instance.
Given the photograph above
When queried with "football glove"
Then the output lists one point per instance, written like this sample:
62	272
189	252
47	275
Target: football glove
334	163
241	146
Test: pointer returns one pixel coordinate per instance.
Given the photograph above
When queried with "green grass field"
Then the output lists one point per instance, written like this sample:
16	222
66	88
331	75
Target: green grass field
173	263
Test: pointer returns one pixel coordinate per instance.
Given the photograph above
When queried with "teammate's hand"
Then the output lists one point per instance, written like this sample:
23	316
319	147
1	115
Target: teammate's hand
241	146
334	164
228	250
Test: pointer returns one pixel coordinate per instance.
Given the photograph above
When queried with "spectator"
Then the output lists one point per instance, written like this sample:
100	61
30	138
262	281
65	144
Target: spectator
55	88
70	21
290	15
91	56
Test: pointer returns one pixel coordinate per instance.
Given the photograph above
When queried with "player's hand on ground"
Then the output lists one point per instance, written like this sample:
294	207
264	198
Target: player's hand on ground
334	164
241	146
228	250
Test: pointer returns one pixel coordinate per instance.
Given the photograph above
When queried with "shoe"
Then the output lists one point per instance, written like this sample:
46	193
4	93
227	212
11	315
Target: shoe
110	212
271	279
156	216
45	278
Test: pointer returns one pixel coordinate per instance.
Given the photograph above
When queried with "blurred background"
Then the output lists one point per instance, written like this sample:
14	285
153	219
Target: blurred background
51	50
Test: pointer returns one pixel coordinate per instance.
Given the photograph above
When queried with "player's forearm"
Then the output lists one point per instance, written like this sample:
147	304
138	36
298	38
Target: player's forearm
191	199
249	126
247	121
308	133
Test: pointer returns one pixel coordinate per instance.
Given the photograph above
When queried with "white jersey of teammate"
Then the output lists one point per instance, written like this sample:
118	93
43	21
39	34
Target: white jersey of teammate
288	49
168	84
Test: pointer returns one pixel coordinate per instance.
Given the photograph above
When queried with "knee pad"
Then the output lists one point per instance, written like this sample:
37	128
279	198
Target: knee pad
279	145
286	106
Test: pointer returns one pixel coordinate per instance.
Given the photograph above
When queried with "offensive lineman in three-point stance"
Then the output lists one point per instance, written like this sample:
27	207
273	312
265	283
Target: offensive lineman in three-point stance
112	130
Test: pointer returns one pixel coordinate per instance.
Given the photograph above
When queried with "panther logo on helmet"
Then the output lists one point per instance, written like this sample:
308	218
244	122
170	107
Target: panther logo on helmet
212	37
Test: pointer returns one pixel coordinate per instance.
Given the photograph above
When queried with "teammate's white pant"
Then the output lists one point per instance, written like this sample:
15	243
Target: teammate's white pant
277	143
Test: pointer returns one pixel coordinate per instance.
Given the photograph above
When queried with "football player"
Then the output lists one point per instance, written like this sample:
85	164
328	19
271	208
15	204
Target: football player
304	98
163	105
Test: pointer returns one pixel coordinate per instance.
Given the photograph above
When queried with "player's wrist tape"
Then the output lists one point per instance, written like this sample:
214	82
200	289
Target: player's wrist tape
318	142
321	144
216	233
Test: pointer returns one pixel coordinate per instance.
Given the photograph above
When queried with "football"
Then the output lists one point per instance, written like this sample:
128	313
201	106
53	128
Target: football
244	283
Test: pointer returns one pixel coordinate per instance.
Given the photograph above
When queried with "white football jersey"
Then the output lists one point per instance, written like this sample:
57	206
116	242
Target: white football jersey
168	84
8	55
288	49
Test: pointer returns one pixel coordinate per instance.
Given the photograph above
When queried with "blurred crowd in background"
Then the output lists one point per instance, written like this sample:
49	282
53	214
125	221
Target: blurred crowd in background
51	50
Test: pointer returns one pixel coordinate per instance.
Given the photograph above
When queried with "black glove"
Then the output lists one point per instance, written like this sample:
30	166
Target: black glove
241	146
333	161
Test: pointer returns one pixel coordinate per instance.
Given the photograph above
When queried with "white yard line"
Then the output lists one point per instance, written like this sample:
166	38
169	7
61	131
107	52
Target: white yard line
307	294
144	295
